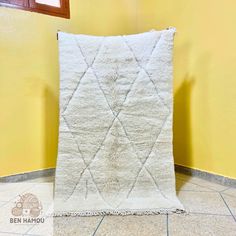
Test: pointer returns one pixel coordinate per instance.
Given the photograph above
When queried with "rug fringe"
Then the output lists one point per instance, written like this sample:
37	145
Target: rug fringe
121	212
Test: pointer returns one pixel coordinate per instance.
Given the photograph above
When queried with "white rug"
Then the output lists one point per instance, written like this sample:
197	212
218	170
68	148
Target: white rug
115	142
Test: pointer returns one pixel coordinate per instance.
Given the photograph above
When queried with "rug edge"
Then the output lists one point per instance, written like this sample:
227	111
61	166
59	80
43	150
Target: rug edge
121	212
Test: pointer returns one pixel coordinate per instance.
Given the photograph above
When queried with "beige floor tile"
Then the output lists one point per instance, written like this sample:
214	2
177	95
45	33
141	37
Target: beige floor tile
3	203
133	226
202	182
74	226
5	220
201	225
44	191
11	190
203	202
184	185
230	192
10	234
231	202
45	229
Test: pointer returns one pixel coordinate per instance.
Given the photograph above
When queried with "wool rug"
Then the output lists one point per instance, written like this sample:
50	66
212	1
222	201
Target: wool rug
115	136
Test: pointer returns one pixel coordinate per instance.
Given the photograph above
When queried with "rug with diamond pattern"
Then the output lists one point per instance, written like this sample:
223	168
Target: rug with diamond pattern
115	136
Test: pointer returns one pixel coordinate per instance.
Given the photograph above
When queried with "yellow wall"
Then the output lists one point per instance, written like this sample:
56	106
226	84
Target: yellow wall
204	78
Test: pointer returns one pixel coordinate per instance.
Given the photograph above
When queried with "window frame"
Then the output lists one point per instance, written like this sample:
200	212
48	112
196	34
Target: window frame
31	5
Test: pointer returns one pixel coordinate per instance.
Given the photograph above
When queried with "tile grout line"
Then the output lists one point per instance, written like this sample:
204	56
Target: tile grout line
199	185
33	225
229	195
4	232
6	202
228	207
98	226
32	235
222	191
24	191
28	230
208	214
167	224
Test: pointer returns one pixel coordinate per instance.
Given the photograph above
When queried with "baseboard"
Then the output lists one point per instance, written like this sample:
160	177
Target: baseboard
178	168
206	175
27	176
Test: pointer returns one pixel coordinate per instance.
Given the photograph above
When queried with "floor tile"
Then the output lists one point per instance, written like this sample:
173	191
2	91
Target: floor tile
201	182
197	195
45	229
6	225
9	234
23	205
73	226
133	226
201	225
44	191
11	190
230	192
231	202
203	202
184	185
3	203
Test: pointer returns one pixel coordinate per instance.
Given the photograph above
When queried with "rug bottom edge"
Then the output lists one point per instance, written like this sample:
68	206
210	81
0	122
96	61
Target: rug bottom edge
121	212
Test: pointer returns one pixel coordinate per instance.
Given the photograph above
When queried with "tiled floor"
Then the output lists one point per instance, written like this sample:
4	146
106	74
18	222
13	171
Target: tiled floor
211	211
